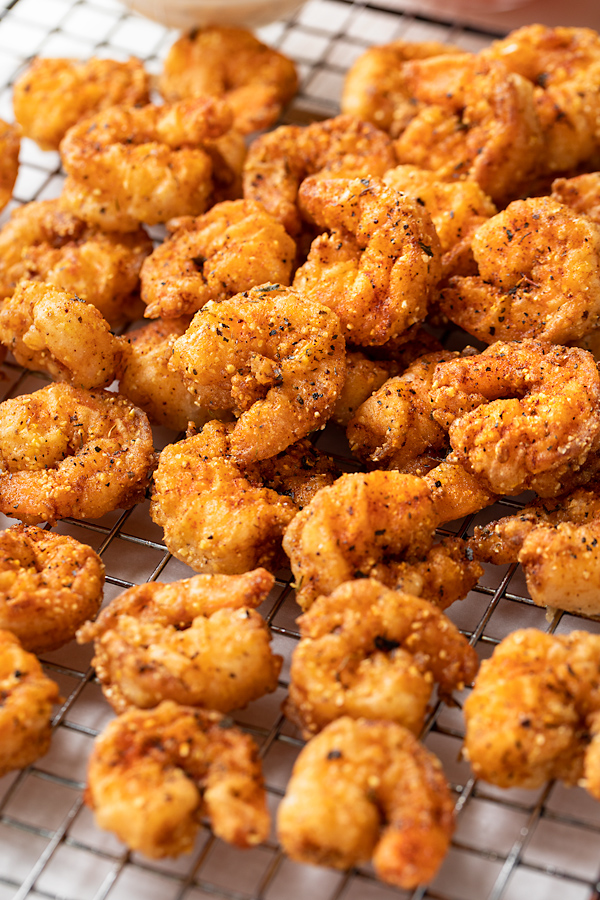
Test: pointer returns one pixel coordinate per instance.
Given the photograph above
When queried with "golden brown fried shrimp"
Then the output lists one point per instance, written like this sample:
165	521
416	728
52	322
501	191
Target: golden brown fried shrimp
368	651
231	63
353	525
270	356
154	774
455	492
199	642
52	95
374	85
366	789
49	585
277	162
563	65
128	165
363	377
521	415
231	248
299	472
539	276
581	194
467	117
65	451
49	330
214	517
26	710
533	712
10	144
378	267
42	242
395	425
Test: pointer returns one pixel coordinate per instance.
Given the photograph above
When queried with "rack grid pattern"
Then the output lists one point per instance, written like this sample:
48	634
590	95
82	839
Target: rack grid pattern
541	844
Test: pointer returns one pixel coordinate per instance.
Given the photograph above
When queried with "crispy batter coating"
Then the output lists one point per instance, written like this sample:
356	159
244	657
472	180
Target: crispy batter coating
273	358
255	80
52	95
127	165
43	242
154	774
467	117
563	65
379	265
231	248
539	276
581	193
374	85
52	331
356	523
65	451
10	144
533	712
363	377
455	491
49	585
368	651
26	710
365	790
343	147
199	642
521	415
299	472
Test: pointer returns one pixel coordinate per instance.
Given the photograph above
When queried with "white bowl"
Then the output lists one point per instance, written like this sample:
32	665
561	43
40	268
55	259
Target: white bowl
187	14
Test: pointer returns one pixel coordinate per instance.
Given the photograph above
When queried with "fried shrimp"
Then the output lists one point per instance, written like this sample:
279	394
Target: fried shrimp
581	193
356	523
374	85
231	248
395	425
128	165
49	585
10	144
231	63
26	710
51	331
363	377
43	242
154	774
539	276
365	790
563	65
343	147
368	651
378	267
467	117
65	451
52	95
273	358
199	642
533	712
522	415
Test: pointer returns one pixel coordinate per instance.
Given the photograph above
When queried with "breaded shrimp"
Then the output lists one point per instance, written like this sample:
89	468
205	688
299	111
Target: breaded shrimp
128	165
533	712
455	491
356	523
271	357
52	95
521	415
277	162
231	63
42	242
368	651
539	276
10	144
51	331
378	267
199	642
363	377
581	193
65	451
367	789
26	710
154	774
49	585
231	248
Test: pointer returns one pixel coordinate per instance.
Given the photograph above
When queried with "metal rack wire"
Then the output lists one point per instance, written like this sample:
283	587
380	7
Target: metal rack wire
509	844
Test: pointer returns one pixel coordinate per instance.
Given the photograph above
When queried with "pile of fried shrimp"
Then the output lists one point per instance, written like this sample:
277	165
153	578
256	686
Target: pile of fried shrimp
309	277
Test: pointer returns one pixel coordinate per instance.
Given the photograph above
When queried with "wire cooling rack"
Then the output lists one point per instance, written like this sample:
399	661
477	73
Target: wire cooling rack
543	845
